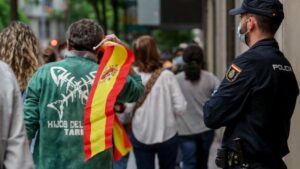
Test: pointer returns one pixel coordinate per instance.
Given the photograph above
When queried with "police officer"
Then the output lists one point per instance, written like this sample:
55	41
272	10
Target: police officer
256	99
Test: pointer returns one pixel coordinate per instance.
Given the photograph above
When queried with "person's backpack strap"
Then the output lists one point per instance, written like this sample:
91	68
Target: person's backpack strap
148	88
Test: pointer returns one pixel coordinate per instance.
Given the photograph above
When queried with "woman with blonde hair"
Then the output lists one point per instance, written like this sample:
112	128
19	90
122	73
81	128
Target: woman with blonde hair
154	120
19	48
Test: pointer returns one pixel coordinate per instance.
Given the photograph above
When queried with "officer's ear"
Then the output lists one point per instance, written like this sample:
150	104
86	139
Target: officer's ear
251	23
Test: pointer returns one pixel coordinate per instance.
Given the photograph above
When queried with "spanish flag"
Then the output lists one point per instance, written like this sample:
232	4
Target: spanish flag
102	129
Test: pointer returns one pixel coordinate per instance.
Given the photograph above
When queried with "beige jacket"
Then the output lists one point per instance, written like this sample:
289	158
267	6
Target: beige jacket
14	147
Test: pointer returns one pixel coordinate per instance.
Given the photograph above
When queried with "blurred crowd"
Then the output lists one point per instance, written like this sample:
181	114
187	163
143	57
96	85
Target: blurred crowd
167	122
52	115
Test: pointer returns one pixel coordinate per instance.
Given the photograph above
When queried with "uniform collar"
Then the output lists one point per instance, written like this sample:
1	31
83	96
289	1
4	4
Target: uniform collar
266	42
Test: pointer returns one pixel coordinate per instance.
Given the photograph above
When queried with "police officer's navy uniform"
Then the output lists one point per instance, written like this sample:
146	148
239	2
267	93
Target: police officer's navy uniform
255	103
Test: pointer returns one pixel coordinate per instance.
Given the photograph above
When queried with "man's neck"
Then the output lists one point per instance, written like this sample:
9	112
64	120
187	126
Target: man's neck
84	54
255	37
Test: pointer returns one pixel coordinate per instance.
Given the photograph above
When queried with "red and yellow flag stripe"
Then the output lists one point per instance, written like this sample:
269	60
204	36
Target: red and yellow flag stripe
99	115
122	143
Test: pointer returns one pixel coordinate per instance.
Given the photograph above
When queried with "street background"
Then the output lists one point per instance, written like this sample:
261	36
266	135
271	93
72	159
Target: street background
171	23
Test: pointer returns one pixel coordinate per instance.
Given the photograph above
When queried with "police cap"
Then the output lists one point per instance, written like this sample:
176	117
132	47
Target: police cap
269	8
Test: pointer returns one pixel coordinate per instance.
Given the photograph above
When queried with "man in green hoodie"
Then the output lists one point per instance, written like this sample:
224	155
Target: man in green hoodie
56	97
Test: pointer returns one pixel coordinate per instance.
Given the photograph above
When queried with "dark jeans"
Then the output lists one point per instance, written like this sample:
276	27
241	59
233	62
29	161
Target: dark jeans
122	163
145	154
195	150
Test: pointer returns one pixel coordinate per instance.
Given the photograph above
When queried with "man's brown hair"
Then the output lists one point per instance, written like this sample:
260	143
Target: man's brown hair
268	24
84	34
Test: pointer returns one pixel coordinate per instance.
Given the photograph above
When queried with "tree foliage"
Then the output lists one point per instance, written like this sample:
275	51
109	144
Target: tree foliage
5	15
78	9
168	39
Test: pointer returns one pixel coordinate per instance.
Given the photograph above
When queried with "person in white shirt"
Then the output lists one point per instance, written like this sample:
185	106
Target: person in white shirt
197	86
14	146
154	123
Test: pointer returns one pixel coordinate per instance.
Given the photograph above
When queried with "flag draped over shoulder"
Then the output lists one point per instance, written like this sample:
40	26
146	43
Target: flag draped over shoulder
102	129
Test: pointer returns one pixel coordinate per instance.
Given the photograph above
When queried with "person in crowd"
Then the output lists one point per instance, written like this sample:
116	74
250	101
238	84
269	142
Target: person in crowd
61	50
49	55
177	61
20	49
14	147
154	116
166	60
56	97
257	97
197	86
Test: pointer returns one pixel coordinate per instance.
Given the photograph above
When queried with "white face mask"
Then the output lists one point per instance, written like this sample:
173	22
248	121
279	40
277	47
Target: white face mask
242	36
178	60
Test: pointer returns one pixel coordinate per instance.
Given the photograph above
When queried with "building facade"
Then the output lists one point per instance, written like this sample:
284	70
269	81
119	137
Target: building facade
42	17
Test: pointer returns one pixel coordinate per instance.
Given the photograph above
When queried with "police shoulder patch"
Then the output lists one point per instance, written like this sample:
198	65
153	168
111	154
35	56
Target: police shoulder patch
233	73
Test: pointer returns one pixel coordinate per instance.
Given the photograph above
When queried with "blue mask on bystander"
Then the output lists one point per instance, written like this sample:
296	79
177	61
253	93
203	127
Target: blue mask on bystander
178	60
